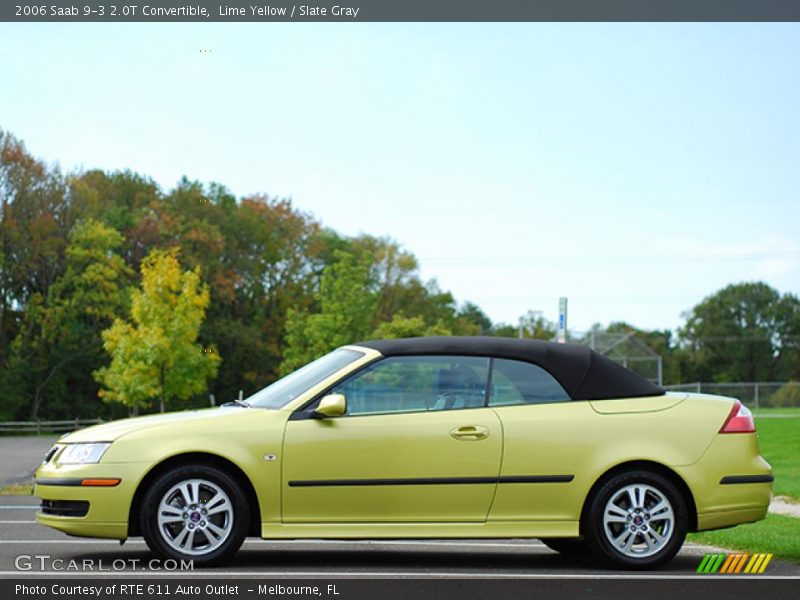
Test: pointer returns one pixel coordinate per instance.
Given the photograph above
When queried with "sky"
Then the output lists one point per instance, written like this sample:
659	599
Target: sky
633	168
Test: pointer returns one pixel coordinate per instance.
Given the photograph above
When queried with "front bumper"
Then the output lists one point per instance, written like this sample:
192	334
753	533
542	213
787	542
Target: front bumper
109	506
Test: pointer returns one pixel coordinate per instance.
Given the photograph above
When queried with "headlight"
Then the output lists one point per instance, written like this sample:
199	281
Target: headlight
75	454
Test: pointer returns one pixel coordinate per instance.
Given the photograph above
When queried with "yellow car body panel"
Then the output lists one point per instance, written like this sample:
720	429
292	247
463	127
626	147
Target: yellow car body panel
521	471
727	505
405	447
668	430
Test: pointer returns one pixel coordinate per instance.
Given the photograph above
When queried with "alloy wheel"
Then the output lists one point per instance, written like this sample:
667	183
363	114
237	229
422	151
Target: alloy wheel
195	516
638	520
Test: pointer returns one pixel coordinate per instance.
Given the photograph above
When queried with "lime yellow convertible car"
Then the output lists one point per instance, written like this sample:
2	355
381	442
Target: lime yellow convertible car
422	438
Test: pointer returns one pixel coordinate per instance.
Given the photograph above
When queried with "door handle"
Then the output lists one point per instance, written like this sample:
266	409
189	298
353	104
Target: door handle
468	433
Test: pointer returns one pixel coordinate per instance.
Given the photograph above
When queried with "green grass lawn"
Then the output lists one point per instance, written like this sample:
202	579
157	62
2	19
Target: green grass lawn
779	440
16	489
788	411
776	533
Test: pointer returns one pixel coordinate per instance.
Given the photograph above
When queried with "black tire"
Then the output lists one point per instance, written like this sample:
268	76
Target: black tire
653	553
573	547
234	522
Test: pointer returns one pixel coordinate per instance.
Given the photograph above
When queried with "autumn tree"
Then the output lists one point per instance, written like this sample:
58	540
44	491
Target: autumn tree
34	222
271	262
261	258
156	355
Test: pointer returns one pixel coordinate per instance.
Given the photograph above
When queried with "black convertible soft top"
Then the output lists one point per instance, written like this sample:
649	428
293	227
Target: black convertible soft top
583	373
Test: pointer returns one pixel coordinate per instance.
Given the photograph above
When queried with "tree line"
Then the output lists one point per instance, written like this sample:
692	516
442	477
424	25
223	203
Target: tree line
745	332
116	296
72	251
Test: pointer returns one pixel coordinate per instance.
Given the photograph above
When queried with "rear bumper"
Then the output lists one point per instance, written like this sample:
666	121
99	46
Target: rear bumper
729	518
731	483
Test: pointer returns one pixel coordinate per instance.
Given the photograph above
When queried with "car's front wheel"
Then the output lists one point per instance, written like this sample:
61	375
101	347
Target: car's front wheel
636	520
195	512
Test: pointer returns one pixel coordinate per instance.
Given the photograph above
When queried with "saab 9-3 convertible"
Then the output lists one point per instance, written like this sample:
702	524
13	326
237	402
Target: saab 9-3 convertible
441	437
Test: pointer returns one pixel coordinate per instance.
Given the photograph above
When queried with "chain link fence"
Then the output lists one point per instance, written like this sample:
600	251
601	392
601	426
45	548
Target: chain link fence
755	395
625	349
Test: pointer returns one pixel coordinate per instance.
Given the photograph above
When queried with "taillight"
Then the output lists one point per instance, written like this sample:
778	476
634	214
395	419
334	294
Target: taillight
740	420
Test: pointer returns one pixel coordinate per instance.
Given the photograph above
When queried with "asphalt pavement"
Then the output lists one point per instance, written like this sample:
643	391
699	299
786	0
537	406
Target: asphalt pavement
20	536
21	455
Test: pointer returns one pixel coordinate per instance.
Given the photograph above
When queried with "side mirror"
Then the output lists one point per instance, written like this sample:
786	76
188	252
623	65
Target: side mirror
332	405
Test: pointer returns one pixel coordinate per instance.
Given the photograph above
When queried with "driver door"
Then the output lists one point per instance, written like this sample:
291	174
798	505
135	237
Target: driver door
416	444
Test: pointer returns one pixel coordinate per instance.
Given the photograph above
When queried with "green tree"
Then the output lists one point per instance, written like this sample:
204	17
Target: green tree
788	330
787	395
157	356
733	335
658	340
406	327
393	272
533	324
473	321
63	328
346	308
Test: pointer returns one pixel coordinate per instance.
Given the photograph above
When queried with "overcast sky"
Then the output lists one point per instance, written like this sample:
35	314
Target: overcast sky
633	168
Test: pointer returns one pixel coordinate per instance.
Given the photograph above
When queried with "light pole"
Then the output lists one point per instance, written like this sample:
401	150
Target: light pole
561	335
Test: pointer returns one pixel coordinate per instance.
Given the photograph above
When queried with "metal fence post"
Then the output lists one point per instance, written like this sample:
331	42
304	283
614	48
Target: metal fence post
756	394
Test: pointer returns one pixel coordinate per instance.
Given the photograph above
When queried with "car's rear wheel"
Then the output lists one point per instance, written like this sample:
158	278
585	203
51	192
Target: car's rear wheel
636	520
195	512
567	546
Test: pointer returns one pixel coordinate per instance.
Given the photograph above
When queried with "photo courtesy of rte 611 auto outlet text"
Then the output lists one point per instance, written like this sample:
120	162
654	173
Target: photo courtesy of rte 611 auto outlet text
436	299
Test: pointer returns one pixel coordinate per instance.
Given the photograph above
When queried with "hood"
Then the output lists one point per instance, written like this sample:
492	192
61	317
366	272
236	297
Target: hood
113	430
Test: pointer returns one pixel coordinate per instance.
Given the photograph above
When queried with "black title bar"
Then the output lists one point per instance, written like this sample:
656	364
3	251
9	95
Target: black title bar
398	10
544	588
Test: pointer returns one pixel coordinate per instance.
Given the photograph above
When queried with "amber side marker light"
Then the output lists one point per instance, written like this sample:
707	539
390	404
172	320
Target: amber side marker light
100	482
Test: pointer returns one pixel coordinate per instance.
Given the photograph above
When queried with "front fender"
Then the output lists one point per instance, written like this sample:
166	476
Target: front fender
244	441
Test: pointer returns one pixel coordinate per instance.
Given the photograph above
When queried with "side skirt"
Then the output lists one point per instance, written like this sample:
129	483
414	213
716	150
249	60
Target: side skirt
491	529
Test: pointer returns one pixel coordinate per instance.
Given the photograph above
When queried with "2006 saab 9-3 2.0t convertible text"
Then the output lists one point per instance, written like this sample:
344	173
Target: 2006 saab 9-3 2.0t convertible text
422	438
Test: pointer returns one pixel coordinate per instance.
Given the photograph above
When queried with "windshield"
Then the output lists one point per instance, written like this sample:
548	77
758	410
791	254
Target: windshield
290	387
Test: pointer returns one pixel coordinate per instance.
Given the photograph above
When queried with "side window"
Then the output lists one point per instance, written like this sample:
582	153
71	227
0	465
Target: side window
416	383
516	382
